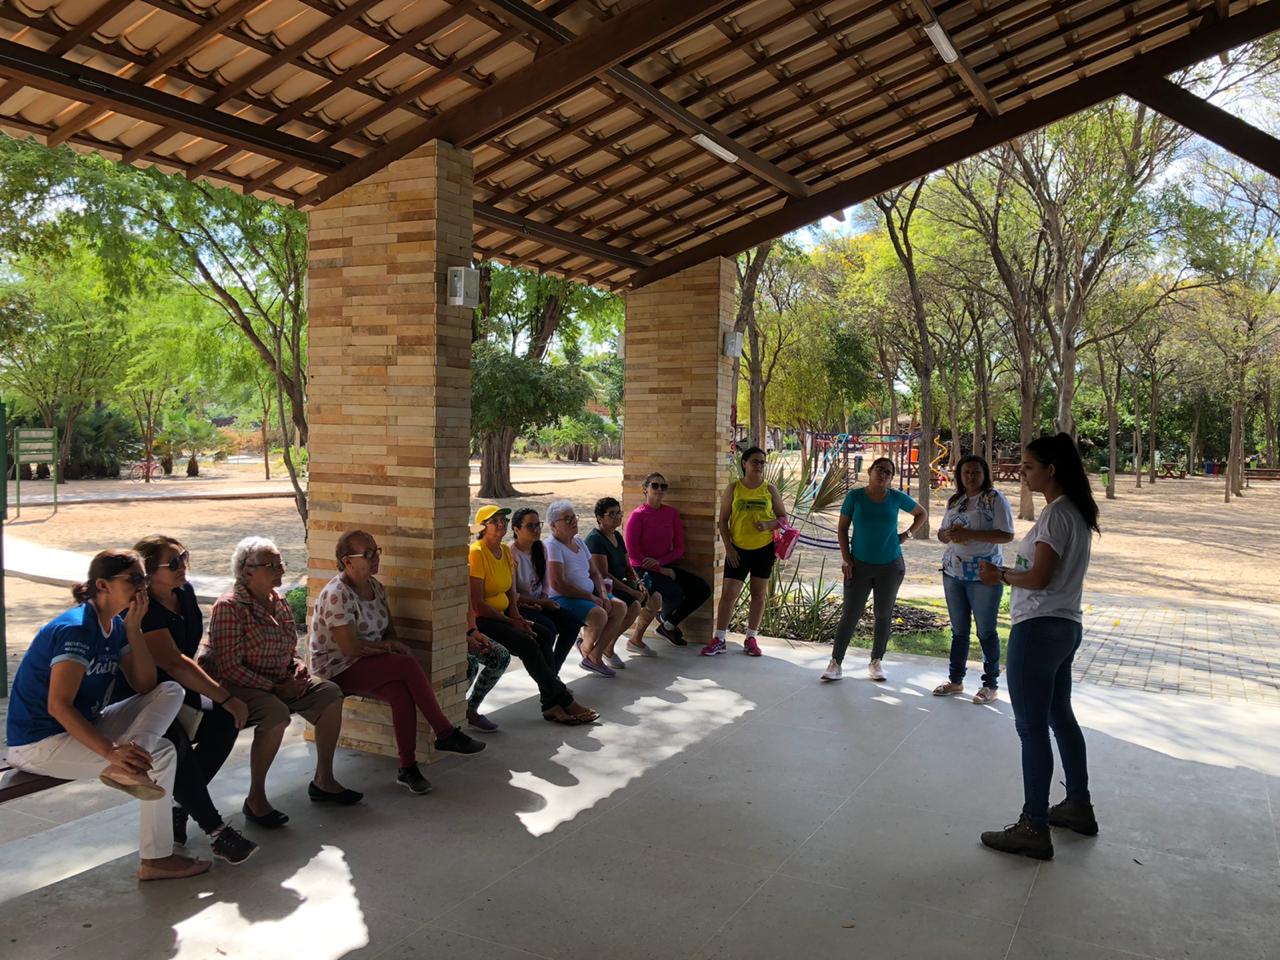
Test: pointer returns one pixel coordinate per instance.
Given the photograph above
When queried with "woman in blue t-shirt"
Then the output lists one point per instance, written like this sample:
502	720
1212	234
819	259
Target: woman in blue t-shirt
62	724
873	564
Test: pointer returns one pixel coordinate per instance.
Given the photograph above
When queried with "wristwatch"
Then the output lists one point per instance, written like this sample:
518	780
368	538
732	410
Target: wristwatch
1004	575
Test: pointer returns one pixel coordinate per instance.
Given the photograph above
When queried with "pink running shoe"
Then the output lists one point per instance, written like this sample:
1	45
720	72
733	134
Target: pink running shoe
715	646
751	648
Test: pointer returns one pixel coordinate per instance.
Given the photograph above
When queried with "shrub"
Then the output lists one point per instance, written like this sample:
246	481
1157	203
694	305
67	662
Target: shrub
297	600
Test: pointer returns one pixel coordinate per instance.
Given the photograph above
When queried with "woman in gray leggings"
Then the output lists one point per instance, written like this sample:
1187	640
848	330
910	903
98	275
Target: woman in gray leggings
873	564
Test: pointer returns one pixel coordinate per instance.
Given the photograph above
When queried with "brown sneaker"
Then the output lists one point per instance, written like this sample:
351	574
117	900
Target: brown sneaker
172	867
947	689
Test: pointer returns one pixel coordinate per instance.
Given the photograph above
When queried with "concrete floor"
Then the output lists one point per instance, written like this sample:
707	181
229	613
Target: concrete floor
731	808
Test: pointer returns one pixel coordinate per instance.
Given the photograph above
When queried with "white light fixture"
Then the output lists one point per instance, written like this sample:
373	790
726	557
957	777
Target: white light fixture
709	145
941	41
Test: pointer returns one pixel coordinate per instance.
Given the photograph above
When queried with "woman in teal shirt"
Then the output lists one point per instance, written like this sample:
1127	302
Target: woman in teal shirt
874	565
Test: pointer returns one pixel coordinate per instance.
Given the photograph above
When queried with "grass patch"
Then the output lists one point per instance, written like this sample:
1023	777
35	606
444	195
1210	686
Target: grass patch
937	643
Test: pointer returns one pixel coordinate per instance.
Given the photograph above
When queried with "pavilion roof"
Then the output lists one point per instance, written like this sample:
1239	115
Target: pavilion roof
585	116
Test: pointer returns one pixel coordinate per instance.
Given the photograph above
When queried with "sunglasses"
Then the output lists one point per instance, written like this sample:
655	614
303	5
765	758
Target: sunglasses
532	525
658	486
135	578
177	563
372	554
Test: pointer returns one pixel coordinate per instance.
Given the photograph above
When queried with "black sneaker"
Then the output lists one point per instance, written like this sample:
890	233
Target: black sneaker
1024	838
179	825
458	742
1075	815
231	845
412	778
672	634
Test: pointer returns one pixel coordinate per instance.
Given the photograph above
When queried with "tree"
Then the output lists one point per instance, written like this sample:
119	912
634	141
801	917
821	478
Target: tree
59	341
514	386
750	265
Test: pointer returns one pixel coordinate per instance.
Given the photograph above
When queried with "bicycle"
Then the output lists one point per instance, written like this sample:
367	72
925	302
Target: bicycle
138	471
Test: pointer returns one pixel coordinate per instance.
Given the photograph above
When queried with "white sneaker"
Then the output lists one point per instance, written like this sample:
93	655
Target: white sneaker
874	671
833	671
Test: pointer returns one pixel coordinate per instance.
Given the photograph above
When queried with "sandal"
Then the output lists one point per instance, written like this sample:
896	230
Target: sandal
270	820
567	720
947	689
986	695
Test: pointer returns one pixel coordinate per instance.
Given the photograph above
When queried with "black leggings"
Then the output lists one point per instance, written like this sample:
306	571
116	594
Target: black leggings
681	596
562	624
536	654
200	760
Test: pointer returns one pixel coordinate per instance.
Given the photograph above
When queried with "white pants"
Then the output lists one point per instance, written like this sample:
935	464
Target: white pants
142	719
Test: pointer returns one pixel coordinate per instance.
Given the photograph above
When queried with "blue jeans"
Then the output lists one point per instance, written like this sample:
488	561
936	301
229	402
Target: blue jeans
1040	655
973	600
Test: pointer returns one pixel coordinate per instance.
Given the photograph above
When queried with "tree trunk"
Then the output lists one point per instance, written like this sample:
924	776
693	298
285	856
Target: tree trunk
1113	444
1065	422
495	464
953	412
193	467
1137	434
755	385
1269	422
1193	452
924	472
1028	392
266	453
1229	486
979	413
1151	426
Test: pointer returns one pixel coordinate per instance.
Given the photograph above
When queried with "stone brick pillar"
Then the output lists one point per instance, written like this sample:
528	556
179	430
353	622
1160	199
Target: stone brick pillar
389	406
679	392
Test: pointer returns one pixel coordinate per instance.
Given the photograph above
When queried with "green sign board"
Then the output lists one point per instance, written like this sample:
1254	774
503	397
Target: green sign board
34	445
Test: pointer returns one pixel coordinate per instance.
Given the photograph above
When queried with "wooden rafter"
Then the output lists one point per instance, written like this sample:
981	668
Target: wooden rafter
39	69
968	76
68	41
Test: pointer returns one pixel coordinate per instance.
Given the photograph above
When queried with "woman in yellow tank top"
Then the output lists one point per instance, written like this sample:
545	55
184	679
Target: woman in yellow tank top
750	510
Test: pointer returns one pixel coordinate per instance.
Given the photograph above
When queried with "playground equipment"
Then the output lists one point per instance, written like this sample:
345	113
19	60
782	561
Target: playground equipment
940	476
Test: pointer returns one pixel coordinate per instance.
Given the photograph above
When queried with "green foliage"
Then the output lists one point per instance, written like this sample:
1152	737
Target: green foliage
296	598
521	393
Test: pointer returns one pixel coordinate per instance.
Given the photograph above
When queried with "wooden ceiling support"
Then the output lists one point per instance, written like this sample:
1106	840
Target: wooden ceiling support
1213	123
528	90
961	67
518	226
55	75
986	132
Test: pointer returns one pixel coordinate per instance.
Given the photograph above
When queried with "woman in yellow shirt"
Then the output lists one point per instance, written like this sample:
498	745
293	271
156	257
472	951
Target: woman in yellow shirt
493	601
750	510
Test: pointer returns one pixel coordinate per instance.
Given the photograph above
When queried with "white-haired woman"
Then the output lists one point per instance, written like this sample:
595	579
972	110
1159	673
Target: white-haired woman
579	588
253	653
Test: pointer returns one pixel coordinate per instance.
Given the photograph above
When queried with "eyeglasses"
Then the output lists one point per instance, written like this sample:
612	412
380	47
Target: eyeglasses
277	564
613	513
500	521
134	577
567	518
177	563
372	554
657	486
756	461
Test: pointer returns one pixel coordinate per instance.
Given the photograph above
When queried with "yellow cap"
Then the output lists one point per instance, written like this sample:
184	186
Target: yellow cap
487	513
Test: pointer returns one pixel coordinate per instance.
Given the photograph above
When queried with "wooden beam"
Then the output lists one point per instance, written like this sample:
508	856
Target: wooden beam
657	102
517	225
79	32
986	132
155	68
523	93
75	81
268	66
1213	123
968	76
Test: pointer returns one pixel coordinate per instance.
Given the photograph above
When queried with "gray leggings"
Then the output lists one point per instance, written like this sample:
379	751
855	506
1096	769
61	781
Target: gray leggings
882	579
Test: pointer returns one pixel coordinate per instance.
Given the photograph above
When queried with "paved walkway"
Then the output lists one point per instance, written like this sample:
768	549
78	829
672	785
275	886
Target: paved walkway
729	808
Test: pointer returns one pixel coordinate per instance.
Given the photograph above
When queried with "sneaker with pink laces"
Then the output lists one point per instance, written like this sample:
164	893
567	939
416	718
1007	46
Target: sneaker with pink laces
715	646
751	648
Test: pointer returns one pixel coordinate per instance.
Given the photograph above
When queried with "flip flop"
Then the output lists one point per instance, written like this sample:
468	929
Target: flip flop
589	716
569	721
143	791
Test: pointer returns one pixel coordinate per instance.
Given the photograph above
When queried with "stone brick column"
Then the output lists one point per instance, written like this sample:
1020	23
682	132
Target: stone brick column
679	392
389	408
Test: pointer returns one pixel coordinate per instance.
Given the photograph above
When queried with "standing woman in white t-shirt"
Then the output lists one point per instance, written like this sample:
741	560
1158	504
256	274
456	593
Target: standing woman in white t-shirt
979	519
1047	579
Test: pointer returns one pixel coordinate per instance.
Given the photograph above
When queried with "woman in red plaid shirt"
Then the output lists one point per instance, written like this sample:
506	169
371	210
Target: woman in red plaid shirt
253	652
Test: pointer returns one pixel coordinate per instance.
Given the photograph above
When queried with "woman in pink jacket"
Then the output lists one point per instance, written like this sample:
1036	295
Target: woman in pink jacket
655	541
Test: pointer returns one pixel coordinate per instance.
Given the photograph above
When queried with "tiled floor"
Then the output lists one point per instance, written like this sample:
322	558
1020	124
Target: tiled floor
727	808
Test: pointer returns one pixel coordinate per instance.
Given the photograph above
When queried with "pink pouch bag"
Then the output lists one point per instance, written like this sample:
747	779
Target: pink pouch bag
784	540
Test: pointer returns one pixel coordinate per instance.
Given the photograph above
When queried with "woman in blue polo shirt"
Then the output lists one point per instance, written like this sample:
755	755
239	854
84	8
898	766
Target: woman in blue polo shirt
61	722
873	565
